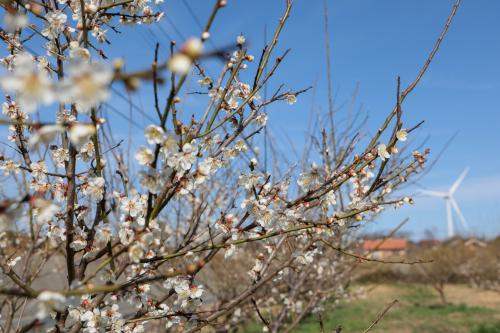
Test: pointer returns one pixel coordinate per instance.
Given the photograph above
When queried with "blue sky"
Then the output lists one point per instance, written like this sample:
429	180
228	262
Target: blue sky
372	43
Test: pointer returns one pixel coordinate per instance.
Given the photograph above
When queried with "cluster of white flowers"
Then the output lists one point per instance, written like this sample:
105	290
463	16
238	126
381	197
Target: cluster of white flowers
234	96
360	185
86	85
306	258
60	156
310	179
254	272
180	160
188	294
9	167
94	188
96	320
56	23
184	159
49	302
382	151
210	169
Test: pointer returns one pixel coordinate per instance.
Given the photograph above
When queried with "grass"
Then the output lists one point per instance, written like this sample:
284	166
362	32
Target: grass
488	328
418	311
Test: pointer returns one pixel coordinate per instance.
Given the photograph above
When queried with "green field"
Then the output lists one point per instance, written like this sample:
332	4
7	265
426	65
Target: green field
418	311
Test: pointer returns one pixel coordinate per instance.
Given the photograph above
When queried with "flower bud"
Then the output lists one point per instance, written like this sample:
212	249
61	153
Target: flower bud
193	48
240	40
205	35
180	63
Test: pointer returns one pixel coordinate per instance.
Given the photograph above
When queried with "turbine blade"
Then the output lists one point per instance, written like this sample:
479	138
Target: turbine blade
457	183
459	213
433	193
449	218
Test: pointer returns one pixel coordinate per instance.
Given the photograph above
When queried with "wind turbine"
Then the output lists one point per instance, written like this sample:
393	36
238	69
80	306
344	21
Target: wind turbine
451	204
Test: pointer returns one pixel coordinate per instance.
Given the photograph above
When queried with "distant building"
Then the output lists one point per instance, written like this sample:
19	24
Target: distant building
381	248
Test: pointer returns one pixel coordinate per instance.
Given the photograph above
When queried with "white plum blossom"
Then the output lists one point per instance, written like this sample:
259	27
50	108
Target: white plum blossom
133	206
14	21
249	181
79	134
144	156
136	252
87	85
308	180
182	161
205	168
256	269
38	170
291	99
240	146
196	291
99	33
13	261
65	117
55	24
94	188
261	119
113	316
31	85
9	167
44	210
77	52
86	152
169	145
184	289
49	301
59	190
307	257
240	40
10	212
402	135
205	81
329	200
154	134
45	135
150	180
229	251
79	239
92	320
11	110
60	156
126	234
382	152
225	223
103	234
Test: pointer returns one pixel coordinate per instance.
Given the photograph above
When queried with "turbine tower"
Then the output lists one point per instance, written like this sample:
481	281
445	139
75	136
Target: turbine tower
451	204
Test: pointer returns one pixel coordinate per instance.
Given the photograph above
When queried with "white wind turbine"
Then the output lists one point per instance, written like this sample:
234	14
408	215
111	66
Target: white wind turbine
451	204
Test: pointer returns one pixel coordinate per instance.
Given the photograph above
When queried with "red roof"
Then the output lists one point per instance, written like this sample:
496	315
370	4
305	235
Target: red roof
390	244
